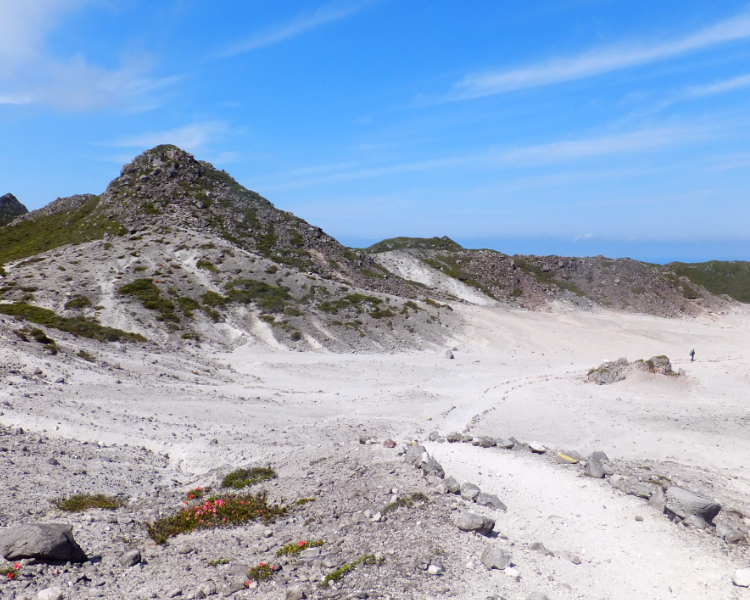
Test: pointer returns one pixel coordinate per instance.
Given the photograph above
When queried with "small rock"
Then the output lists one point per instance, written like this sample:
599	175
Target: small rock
469	491
490	500
641	490
309	554
734	537
593	469
53	461
537	596
504	444
435	570
449	354
183	549
53	593
565	554
495	558
599	456
434	435
432	467
487	442
389	443
295	593
539	547
454	437
452	485
469	521
232	588
694	521
414	454
131	558
537	448
741	578
208	588
174	592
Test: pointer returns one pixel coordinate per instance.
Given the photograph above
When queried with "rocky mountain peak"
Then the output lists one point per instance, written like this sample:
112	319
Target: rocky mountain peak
10	208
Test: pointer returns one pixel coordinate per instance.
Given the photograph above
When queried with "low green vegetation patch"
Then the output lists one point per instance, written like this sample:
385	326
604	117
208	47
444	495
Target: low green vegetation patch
357	302
78	326
242	478
303	501
718	277
43	233
406	243
418	498
345	569
81	502
146	291
78	303
217	511
86	356
291	549
269	298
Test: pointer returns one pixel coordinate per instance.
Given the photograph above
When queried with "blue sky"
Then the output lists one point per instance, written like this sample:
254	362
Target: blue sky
578	127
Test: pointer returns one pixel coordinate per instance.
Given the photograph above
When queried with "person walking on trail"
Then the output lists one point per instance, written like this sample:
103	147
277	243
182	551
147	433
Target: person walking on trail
692	355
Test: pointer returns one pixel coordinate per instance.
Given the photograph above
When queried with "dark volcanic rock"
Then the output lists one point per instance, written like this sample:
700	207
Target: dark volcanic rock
10	208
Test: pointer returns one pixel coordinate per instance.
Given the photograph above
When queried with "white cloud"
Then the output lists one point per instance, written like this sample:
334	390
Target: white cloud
300	24
30	74
721	86
585	236
525	156
191	137
597	62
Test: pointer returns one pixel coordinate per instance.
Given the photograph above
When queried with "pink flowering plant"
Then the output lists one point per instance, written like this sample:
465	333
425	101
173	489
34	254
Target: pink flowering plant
10	572
216	511
197	494
260	573
298	547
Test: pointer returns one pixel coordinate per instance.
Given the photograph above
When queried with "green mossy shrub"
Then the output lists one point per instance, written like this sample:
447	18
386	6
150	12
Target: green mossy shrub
81	502
78	326
268	298
242	478
78	302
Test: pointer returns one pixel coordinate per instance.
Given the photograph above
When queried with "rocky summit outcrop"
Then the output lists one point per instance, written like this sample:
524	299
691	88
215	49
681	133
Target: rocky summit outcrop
10	208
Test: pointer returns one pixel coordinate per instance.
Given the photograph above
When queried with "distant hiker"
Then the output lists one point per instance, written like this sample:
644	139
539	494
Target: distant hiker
692	355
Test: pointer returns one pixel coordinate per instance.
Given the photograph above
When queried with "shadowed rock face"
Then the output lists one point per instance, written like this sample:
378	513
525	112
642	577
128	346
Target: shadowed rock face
10	208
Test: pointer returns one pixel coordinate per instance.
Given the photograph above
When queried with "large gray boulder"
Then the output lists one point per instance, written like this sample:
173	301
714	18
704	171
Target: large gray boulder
469	521
43	541
609	372
495	558
684	503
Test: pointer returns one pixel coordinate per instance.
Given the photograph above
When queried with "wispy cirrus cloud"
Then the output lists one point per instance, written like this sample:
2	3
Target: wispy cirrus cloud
192	137
728	85
520	157
300	24
31	74
598	62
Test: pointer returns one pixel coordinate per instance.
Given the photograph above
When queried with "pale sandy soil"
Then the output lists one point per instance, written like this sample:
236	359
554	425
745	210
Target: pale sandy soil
515	373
